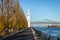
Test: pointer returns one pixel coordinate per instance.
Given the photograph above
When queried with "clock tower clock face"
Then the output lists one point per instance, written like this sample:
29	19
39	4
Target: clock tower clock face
28	14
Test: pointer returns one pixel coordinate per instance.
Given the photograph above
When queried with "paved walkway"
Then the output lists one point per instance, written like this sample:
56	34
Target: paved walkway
27	34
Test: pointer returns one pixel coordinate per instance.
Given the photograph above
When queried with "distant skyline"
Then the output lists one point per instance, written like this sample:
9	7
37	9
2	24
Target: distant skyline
42	9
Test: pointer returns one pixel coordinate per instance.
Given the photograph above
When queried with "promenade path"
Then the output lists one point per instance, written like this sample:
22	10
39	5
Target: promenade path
26	34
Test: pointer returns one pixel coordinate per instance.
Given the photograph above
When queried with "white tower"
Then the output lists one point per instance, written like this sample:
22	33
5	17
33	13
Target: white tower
28	17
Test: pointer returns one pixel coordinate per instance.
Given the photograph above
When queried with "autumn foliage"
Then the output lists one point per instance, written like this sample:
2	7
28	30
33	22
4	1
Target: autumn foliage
12	16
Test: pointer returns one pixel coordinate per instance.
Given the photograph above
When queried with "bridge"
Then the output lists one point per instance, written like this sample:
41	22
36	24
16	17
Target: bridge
46	21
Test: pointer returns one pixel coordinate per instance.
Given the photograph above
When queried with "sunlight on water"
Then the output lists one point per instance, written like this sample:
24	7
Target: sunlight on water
46	33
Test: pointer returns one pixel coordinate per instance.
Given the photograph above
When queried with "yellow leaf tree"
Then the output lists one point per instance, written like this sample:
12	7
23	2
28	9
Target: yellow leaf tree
13	16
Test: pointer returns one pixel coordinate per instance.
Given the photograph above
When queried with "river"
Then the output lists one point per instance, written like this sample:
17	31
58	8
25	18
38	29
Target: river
48	33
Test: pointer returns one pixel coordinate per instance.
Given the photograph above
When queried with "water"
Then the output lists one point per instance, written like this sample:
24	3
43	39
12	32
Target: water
46	33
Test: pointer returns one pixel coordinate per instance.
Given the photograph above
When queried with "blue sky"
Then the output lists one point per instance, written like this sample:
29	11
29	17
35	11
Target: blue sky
42	9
